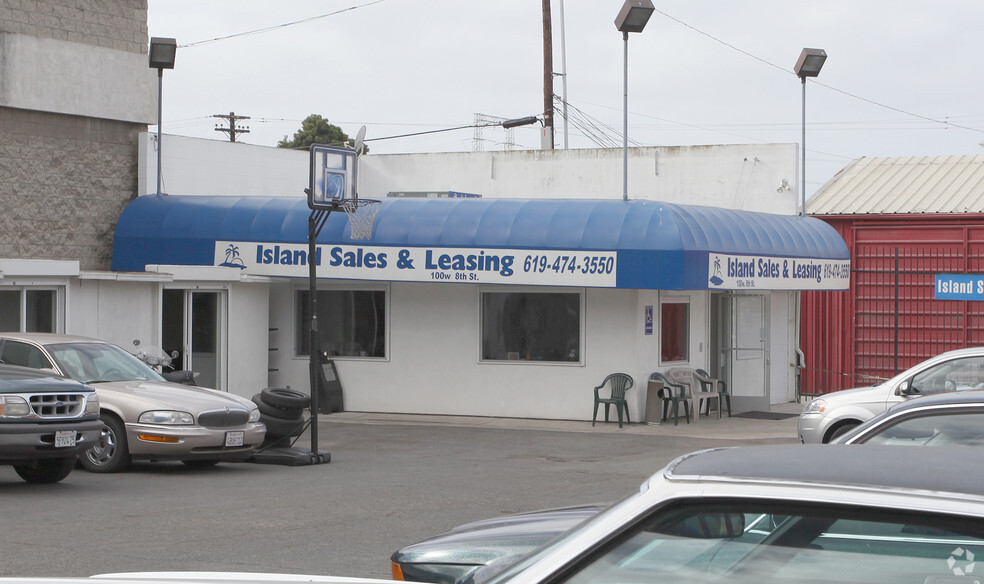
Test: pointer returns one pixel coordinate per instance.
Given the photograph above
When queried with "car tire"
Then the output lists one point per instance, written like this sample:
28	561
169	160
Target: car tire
841	430
283	397
270	411
46	470
110	453
201	463
278	428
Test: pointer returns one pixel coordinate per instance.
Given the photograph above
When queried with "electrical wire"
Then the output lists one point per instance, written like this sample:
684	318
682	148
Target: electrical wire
277	27
944	122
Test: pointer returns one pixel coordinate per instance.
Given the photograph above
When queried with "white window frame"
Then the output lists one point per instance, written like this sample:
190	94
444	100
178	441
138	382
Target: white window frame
24	287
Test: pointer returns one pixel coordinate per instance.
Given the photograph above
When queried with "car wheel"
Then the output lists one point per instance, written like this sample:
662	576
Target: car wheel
200	463
267	410
110	453
46	470
841	430
282	397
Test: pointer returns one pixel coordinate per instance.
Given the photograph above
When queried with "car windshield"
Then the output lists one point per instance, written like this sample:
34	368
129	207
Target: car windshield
98	362
755	542
944	428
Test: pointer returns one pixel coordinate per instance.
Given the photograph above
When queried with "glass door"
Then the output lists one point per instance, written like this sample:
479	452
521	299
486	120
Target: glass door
192	325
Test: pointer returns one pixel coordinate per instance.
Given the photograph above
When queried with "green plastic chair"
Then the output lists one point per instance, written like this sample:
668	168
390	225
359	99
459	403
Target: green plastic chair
672	394
619	383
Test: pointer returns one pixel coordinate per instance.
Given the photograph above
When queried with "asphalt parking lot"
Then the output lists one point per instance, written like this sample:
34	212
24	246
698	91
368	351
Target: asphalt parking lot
392	480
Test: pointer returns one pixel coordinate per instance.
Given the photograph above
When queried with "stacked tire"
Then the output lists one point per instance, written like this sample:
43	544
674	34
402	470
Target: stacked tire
282	411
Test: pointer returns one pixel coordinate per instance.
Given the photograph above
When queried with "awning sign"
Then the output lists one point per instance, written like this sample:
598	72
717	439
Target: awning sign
741	272
424	264
959	287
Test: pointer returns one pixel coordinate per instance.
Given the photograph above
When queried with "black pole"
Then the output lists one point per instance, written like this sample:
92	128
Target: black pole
315	222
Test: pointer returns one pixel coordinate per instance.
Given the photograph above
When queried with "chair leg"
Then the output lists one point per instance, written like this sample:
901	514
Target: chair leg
686	411
666	409
627	420
727	398
606	412
676	413
595	416
618	410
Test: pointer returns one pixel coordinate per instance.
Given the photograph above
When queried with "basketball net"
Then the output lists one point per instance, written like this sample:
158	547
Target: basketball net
361	213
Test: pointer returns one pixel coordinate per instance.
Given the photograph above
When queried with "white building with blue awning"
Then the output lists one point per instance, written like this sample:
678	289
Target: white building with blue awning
493	306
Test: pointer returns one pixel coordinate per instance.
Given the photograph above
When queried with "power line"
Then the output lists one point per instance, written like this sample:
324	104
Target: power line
276	27
944	122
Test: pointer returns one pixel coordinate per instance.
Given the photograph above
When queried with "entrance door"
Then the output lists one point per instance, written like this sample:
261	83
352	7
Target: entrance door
739	329
192	325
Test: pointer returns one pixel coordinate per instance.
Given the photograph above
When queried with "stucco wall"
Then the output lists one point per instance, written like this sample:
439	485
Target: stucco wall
748	177
434	362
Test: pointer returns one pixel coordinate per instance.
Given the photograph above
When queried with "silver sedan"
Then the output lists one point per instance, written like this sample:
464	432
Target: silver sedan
145	416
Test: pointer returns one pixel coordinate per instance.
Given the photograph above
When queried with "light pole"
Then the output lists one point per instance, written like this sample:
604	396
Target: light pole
631	18
808	65
162	51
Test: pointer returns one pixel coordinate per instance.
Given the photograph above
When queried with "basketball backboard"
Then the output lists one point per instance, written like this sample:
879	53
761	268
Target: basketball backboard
333	176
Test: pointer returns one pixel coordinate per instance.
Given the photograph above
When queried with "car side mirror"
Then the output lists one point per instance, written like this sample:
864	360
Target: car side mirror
905	388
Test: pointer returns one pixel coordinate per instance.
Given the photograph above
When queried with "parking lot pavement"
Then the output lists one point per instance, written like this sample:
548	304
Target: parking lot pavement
740	426
393	479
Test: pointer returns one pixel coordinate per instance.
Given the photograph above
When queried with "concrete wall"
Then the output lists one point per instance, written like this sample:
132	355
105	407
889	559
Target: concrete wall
64	180
748	177
75	91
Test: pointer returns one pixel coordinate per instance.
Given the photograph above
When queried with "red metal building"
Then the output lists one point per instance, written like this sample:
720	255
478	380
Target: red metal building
905	220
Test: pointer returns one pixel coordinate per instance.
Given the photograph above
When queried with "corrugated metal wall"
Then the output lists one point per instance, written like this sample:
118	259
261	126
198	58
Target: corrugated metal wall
889	320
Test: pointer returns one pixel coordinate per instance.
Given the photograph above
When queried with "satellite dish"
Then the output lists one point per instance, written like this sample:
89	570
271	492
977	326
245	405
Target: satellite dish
359	139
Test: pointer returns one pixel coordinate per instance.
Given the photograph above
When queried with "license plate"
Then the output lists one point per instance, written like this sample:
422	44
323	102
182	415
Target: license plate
64	438
235	438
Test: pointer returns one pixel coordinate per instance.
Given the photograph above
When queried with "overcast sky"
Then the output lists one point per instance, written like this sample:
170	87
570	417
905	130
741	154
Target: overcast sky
902	77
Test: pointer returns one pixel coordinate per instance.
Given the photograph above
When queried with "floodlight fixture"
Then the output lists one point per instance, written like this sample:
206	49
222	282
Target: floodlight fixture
809	63
161	56
162	52
631	18
634	15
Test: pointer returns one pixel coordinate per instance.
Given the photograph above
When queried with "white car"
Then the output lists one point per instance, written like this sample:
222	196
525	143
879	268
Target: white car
144	416
782	514
829	416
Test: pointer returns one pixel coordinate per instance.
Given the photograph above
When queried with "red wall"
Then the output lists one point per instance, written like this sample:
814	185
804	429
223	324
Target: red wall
888	320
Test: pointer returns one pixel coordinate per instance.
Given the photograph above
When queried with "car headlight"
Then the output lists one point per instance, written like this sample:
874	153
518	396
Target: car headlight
254	415
167	417
14	406
92	404
816	406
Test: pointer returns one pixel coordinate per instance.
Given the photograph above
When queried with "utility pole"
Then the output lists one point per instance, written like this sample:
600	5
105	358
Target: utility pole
546	143
233	129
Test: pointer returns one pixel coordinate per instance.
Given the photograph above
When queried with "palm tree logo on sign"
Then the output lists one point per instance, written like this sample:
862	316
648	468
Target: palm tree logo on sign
232	259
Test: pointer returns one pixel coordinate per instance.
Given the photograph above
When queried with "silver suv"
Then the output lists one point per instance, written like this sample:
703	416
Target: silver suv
834	414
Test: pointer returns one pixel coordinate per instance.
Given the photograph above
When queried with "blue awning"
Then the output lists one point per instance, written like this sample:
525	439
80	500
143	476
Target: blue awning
658	245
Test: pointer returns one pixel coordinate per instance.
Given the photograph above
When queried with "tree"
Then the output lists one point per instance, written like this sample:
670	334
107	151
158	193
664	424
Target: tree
317	130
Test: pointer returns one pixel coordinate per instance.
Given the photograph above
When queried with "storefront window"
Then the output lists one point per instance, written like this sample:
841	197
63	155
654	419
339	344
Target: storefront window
38	307
531	326
674	332
352	323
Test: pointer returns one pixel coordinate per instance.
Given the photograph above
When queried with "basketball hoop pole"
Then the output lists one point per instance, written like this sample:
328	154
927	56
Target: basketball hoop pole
316	221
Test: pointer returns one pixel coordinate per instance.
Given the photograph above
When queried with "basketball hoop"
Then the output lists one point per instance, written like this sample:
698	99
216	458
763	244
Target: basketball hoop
360	213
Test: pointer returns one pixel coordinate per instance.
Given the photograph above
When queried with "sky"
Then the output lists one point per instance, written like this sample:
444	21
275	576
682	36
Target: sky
902	77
